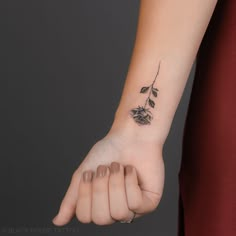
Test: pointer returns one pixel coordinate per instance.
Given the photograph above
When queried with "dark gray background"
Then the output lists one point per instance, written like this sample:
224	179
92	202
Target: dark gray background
63	65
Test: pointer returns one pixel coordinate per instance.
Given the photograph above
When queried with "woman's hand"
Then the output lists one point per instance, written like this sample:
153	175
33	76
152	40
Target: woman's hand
116	190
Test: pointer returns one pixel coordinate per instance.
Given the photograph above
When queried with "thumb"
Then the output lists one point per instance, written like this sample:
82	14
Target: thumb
139	200
68	204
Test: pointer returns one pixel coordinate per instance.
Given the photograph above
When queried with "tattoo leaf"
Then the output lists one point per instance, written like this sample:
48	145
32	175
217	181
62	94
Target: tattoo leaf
144	89
151	103
154	92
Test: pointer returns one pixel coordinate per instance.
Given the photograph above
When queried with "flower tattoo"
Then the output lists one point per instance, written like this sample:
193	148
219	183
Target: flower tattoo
142	115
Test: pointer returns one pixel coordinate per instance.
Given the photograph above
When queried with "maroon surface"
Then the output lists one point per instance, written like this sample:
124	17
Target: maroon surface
207	177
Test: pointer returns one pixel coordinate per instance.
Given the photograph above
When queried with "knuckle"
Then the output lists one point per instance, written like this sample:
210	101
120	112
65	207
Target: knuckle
101	220
135	204
83	218
120	214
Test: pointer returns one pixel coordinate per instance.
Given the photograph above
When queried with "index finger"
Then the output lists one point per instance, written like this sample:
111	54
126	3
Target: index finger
68	204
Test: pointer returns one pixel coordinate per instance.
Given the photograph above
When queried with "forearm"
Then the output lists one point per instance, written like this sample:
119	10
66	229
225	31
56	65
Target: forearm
169	32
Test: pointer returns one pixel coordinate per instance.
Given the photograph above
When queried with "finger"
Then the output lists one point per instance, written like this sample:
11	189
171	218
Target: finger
118	203
139	201
84	202
100	197
68	204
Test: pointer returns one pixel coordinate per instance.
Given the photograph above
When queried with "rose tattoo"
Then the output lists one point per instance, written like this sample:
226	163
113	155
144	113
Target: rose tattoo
141	114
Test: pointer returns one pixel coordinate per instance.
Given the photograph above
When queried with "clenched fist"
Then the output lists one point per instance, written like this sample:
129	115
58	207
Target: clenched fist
119	176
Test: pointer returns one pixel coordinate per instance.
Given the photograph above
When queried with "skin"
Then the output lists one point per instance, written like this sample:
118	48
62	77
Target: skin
168	31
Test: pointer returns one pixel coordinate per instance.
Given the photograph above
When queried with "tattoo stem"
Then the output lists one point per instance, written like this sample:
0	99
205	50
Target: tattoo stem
152	85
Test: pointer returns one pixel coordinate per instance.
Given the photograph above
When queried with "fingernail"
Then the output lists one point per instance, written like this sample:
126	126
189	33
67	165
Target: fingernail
107	171
128	169
101	171
87	176
115	167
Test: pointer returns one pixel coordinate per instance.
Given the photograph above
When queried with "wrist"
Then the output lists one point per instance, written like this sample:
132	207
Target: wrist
125	126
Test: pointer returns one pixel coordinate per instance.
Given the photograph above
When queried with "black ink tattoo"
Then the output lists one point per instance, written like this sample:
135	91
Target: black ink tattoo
141	114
